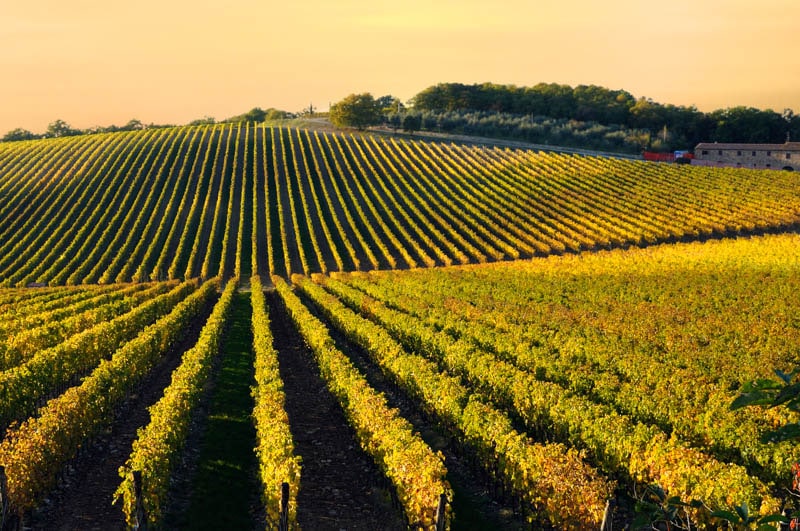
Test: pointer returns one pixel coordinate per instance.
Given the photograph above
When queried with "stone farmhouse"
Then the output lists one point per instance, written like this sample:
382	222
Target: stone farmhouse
759	156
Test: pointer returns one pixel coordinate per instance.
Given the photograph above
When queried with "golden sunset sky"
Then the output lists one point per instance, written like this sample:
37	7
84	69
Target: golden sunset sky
93	62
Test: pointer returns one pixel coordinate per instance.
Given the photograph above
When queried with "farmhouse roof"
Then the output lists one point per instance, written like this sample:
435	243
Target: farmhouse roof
788	146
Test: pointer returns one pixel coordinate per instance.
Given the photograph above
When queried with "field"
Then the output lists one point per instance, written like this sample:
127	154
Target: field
407	333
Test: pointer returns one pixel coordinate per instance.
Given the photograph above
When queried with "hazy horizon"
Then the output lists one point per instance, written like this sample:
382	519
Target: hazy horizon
91	63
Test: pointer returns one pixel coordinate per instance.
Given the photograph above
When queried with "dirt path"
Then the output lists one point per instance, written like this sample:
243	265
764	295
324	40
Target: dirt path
83	500
341	487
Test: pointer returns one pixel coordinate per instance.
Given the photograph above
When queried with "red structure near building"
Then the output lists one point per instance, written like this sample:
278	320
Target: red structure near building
667	157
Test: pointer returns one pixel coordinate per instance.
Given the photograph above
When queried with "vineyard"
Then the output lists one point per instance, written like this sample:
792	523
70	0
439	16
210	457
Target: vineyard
562	334
231	200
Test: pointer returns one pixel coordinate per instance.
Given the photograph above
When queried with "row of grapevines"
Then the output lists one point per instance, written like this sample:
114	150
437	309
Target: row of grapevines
153	267
344	172
24	344
121	248
553	479
331	165
309	231
38	237
100	229
417	473
229	231
34	451
420	242
274	447
37	307
101	185
125	261
688	328
615	441
158	444
312	177
192	229
22	387
10	297
25	202
245	214
257	238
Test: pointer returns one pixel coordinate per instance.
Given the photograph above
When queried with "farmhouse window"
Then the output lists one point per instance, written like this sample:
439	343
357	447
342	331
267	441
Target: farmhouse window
788	156
754	154
719	152
738	153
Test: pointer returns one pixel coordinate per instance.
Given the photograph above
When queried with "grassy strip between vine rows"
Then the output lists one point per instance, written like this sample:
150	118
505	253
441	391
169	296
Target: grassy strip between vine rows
418	474
552	478
34	452
159	443
275	448
616	442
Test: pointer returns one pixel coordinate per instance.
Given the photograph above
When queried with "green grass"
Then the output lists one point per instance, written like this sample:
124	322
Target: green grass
222	491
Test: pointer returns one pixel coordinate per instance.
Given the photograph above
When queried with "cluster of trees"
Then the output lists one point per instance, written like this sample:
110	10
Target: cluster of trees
257	114
363	110
61	128
536	130
685	126
548	113
586	116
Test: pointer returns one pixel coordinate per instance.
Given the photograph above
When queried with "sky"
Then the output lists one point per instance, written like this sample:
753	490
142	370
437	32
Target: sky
92	62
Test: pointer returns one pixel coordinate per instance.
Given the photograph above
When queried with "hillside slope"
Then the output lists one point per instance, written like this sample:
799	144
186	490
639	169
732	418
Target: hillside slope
235	199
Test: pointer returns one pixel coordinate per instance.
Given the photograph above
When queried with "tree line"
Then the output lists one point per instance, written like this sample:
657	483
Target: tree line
685	126
60	128
587	116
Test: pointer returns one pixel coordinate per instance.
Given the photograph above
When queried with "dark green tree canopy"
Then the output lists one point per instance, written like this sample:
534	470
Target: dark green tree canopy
412	122
356	110
19	134
61	128
205	120
686	126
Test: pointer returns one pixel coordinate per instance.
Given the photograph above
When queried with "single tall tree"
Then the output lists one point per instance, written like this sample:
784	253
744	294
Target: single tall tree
356	110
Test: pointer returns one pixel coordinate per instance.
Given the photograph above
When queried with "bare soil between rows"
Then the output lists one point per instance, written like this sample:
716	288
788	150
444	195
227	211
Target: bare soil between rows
341	487
83	498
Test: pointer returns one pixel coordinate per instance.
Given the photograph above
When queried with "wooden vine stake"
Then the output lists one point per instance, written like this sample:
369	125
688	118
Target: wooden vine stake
3	497
283	524
141	515
441	513
606	525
